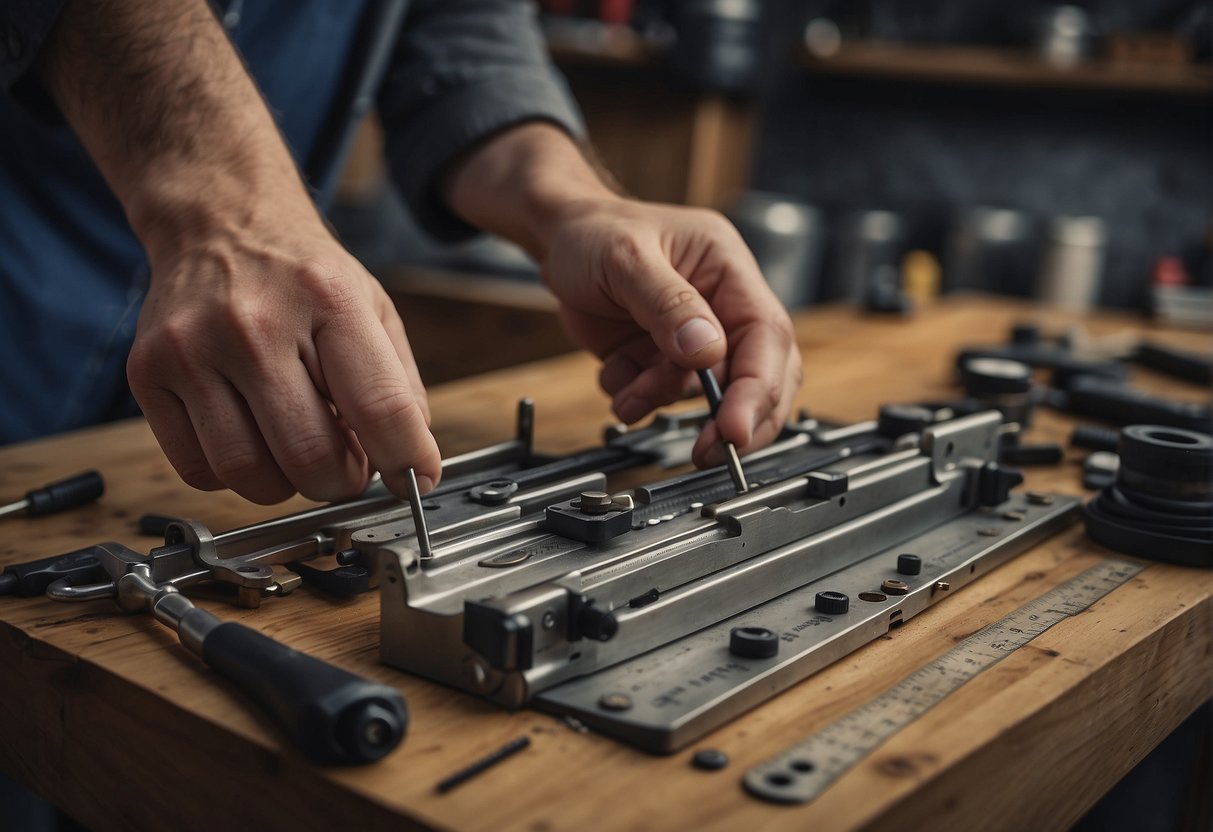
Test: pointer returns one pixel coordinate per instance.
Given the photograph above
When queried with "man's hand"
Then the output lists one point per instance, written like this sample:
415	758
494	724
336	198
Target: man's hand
271	362
266	360
656	291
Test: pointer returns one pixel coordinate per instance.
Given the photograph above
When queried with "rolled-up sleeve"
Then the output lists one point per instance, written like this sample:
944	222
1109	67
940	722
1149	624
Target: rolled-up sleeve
462	71
24	26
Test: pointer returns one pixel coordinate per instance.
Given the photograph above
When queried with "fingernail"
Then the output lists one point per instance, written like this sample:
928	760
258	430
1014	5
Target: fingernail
696	334
424	484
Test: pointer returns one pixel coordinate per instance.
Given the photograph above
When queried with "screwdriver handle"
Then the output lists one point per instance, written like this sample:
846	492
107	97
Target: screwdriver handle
64	494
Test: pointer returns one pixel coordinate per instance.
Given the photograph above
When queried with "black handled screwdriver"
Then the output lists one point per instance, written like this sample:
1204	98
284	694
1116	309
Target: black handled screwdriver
711	389
58	496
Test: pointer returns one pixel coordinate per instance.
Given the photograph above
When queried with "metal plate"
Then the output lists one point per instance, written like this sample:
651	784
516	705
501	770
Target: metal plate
681	691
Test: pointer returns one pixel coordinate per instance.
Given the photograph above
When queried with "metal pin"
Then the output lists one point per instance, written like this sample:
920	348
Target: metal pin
423	531
484	763
711	389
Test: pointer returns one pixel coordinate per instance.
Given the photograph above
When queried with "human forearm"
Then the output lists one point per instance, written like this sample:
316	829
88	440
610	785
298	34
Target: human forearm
163	104
521	184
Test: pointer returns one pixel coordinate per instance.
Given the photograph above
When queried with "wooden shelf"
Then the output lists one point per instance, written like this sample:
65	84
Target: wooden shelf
976	65
586	43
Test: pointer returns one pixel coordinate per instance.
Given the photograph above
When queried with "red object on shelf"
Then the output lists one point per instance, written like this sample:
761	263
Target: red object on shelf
615	11
1169	270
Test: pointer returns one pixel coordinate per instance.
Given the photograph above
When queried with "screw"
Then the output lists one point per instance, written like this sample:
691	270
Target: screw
615	702
549	620
1039	498
594	502
892	586
989	531
942	586
1013	515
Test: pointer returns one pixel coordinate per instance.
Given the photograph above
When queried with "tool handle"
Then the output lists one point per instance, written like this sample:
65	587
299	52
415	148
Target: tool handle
64	494
1125	406
1094	438
332	715
1189	366
33	577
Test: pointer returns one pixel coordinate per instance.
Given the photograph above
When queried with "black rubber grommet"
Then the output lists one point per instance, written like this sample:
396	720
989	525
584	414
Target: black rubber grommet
832	603
753	642
1116	520
984	376
1165	461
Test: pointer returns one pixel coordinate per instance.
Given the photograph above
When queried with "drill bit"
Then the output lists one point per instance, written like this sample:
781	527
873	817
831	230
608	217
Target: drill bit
711	389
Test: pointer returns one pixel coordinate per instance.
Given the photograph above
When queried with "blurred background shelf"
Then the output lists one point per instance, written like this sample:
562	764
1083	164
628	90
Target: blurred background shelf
980	65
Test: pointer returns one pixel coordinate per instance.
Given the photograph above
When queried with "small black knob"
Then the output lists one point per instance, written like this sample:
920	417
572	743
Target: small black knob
899	419
909	564
996	376
709	759
753	642
597	624
832	603
1025	334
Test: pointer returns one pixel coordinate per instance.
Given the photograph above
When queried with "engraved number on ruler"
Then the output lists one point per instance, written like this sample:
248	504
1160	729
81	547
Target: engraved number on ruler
800	773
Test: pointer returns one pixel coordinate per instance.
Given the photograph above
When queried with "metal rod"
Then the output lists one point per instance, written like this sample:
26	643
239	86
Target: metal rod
423	531
711	389
486	762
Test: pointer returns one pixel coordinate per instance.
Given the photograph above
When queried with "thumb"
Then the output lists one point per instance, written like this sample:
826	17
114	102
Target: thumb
678	319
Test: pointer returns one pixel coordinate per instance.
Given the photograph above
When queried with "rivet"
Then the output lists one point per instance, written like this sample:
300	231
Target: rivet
615	702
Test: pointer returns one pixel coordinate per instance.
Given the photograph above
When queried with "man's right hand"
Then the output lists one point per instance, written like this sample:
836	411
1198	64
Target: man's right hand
266	359
271	362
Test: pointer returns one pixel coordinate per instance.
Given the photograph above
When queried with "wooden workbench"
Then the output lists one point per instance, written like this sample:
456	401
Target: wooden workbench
107	716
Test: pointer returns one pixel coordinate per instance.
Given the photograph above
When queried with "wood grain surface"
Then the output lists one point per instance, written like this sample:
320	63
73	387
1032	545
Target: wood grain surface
108	716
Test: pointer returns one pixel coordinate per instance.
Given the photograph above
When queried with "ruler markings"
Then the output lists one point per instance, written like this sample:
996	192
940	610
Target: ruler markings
802	772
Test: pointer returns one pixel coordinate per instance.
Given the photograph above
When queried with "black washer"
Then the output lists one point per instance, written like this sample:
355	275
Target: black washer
709	759
753	642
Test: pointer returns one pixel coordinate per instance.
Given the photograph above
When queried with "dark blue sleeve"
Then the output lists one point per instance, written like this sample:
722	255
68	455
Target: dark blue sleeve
24	25
462	71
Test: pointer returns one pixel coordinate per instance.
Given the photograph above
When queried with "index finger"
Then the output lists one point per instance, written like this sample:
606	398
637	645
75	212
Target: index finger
763	379
374	394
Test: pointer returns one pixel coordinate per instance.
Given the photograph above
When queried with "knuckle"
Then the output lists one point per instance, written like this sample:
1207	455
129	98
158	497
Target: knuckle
173	339
772	395
237	462
673	297
624	254
385	405
332	289
307	452
197	474
717	223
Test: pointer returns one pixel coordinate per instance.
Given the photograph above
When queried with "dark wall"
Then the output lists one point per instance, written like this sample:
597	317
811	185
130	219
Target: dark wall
1143	163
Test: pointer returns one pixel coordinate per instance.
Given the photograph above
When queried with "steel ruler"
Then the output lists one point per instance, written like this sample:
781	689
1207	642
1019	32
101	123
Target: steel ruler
803	771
